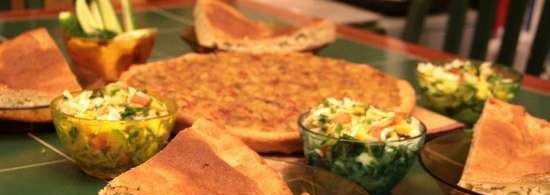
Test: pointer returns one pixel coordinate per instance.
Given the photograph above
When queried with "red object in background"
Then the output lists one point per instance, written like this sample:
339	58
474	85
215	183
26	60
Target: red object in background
500	18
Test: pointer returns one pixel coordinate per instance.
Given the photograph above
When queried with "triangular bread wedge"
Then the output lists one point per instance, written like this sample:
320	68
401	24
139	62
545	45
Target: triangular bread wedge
510	152
32	72
218	25
32	61
202	159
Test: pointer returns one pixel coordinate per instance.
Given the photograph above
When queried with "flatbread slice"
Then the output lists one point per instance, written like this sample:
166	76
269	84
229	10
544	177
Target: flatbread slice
510	152
220	26
32	61
260	97
32	72
200	160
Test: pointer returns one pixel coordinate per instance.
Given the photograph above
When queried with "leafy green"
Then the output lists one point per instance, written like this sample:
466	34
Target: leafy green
338	129
387	163
73	132
323	119
69	24
130	111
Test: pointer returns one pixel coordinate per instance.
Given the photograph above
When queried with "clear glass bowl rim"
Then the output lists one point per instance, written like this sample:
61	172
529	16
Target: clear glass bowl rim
171	105
307	130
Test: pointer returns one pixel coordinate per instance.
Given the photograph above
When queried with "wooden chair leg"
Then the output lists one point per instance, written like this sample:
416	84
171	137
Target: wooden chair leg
52	4
17	4
484	28
455	25
541	43
5	5
516	11
34	4
415	20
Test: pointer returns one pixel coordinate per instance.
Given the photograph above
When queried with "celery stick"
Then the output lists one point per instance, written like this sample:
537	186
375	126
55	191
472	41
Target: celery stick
85	18
94	8
108	14
128	16
70	24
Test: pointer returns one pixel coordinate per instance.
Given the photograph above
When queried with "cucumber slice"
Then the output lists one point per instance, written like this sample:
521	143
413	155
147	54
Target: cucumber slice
69	24
94	8
85	17
128	16
108	14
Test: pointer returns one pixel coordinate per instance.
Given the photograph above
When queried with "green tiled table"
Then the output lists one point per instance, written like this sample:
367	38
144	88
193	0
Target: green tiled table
32	161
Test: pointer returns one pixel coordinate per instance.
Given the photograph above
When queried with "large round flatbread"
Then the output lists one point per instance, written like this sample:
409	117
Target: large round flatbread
260	97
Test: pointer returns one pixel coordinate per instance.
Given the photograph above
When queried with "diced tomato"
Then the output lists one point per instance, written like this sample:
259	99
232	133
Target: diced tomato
341	118
140	100
456	71
99	142
375	132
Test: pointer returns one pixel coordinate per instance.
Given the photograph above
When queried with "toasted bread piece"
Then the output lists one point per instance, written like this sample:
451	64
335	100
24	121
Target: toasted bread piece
218	25
32	61
32	72
202	159
510	148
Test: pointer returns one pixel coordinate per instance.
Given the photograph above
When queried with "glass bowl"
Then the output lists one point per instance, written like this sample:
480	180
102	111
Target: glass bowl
105	149
98	62
463	105
444	158
388	162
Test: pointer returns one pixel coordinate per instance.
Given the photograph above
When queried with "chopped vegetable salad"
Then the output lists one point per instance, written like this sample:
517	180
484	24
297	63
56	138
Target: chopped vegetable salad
349	119
113	102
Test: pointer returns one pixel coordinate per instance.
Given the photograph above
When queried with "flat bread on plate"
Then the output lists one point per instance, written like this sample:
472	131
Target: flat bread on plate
32	72
220	26
260	97
510	152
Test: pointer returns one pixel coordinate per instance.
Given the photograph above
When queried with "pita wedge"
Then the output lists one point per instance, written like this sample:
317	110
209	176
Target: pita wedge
32	72
218	25
510	152
259	97
200	160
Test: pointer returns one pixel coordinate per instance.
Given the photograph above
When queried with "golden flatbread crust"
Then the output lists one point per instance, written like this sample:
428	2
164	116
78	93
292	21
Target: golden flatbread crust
218	25
259	97
508	147
33	71
203	159
32	61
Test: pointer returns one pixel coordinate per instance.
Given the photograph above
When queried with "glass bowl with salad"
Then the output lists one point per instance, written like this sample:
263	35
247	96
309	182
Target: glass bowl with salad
459	88
109	130
100	45
370	146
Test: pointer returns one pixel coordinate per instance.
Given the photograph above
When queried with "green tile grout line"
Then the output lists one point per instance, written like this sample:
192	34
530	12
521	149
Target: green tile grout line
33	165
47	145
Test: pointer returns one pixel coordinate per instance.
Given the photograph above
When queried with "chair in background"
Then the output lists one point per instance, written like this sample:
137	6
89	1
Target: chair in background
418	11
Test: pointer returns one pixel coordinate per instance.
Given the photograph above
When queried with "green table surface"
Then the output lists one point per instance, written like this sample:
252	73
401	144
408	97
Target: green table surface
33	162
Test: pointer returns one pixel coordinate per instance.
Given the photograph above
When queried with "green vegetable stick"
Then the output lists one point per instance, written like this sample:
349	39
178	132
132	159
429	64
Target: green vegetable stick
87	21
128	16
70	24
108	14
94	8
